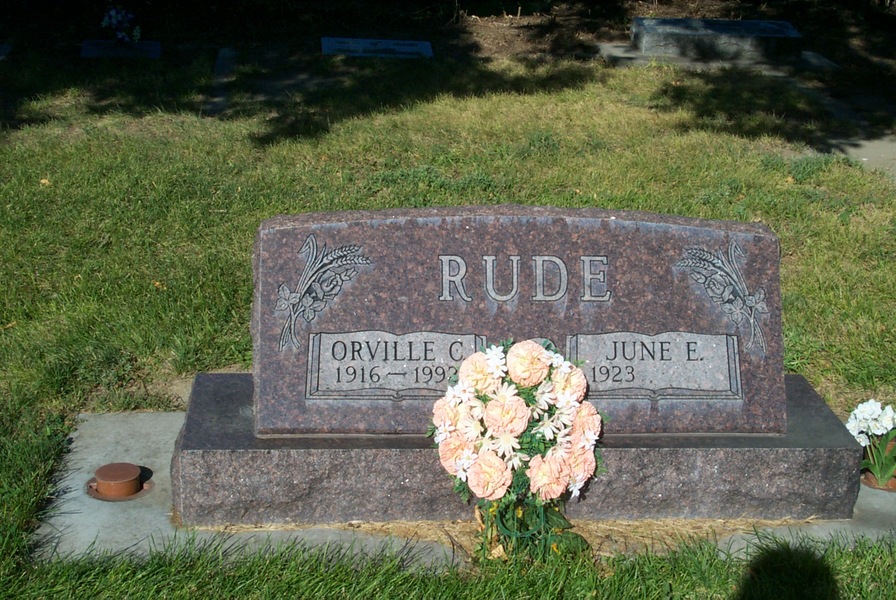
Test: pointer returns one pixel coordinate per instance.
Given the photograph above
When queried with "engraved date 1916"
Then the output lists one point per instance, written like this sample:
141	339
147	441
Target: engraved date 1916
426	375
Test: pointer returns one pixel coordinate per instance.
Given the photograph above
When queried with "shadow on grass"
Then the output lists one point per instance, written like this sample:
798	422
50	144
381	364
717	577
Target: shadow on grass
281	76
46	84
787	572
746	103
303	95
297	91
826	109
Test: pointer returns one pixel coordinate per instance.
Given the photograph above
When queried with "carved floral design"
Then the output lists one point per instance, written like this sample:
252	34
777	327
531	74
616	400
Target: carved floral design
321	281
723	282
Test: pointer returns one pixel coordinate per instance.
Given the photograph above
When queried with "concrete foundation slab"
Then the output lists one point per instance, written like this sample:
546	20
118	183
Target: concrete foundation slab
223	474
878	154
76	524
873	519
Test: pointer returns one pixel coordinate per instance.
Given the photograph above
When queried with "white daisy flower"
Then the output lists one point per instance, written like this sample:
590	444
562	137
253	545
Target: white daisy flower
567	401
475	407
505	392
505	445
496	361
466	459
548	428
460	393
575	485
564	443
565	367
470	428
516	460
556	359
442	432
565	415
588	440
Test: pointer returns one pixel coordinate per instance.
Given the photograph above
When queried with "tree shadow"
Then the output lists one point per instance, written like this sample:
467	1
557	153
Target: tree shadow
783	571
746	103
46	84
828	109
304	95
279	73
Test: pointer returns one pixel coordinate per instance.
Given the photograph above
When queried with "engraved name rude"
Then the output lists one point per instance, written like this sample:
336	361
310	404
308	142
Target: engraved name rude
550	276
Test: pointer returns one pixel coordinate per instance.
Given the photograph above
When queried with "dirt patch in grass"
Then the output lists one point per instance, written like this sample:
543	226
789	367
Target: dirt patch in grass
574	29
605	537
860	37
177	388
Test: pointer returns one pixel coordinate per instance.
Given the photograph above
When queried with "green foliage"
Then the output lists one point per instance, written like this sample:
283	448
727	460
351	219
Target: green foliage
520	525
880	458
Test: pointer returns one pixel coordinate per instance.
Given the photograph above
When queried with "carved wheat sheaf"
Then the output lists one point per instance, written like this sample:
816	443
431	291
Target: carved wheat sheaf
721	278
322	278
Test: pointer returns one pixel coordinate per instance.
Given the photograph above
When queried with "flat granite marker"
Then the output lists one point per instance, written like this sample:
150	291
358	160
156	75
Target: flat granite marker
360	318
711	39
113	49
376	48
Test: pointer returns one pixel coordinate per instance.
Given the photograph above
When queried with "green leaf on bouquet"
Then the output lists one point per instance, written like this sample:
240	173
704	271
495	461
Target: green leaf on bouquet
555	519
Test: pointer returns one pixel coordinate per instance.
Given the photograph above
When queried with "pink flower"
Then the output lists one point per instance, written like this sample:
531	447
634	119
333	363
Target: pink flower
527	363
581	464
587	421
451	449
548	476
444	413
475	371
506	414
489	477
573	383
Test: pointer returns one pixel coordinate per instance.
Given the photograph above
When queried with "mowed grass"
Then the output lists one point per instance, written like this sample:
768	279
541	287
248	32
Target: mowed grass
698	570
127	219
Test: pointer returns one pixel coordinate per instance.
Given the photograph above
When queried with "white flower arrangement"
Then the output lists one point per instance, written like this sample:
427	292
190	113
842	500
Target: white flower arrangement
874	427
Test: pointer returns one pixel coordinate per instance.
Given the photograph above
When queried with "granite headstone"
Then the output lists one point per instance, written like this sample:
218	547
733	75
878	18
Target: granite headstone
376	48
360	319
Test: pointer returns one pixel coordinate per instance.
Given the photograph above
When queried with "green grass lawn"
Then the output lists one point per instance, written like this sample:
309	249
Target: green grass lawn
127	219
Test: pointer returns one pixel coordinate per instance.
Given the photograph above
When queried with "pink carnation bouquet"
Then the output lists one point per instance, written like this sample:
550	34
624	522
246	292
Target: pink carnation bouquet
515	432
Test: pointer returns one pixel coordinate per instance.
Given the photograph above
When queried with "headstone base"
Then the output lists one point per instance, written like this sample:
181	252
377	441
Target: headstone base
223	475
